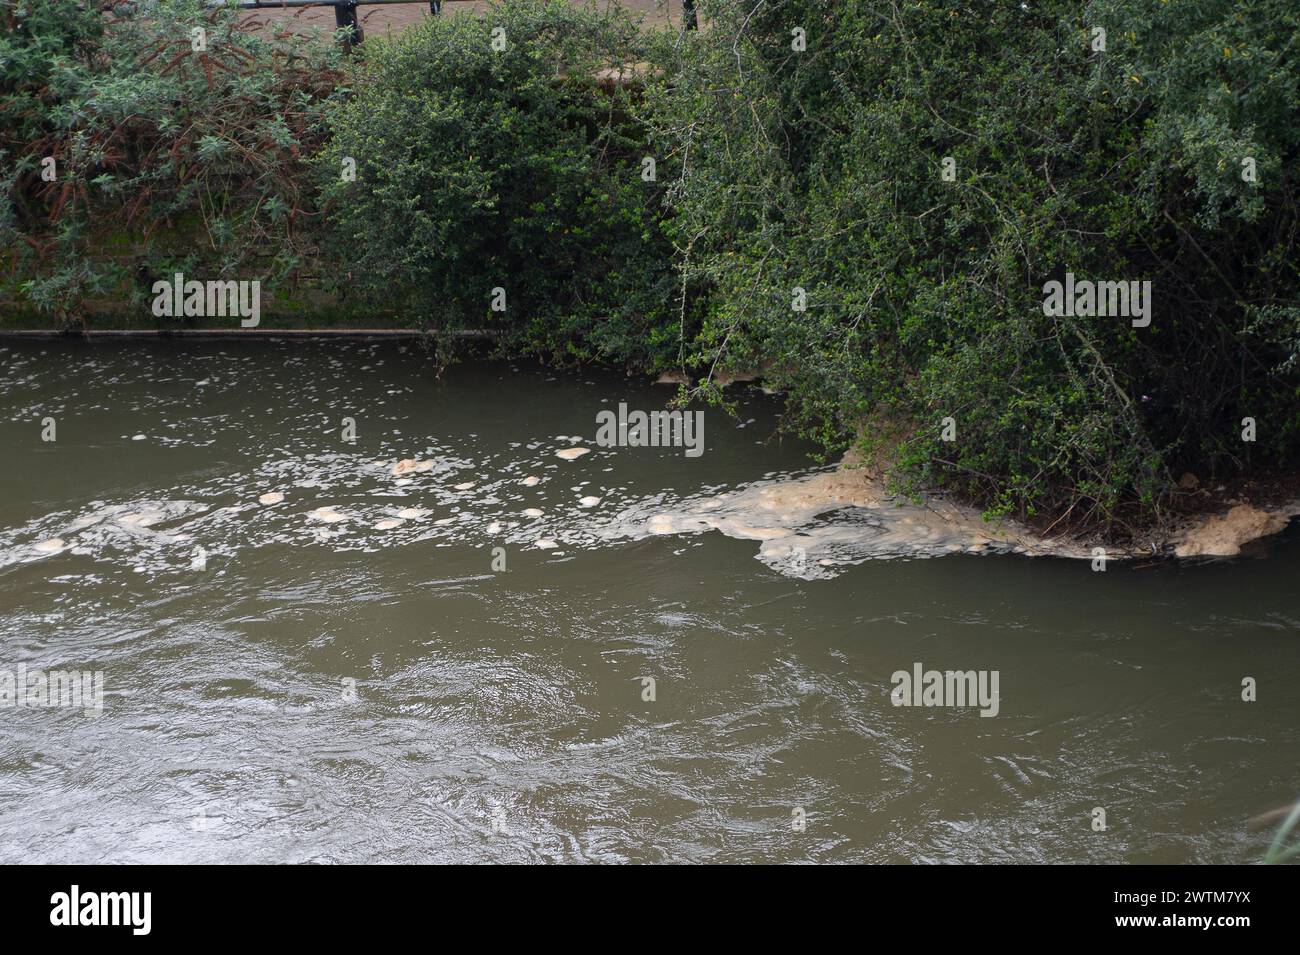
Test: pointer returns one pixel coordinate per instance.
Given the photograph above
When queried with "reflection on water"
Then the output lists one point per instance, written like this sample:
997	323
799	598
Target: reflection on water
345	673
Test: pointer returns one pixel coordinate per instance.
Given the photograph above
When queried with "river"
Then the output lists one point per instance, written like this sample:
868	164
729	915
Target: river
350	674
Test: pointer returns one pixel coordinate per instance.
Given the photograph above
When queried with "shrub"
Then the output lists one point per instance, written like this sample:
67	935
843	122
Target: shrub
821	169
518	168
183	158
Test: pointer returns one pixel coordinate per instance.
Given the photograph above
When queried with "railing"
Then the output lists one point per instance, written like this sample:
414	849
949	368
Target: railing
345	11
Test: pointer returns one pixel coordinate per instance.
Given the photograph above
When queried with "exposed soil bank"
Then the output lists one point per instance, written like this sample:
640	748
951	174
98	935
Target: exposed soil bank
792	517
1220	531
1222	535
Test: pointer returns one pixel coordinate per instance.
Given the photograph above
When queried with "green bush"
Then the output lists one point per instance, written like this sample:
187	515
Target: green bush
821	169
166	156
516	168
44	45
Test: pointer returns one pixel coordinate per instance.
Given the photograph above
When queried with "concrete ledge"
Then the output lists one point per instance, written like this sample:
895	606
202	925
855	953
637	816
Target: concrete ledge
239	333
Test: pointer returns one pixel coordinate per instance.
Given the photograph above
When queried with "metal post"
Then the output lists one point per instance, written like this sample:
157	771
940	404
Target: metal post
345	15
345	11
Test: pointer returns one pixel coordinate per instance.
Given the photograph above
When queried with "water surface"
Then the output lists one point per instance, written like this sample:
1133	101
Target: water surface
499	716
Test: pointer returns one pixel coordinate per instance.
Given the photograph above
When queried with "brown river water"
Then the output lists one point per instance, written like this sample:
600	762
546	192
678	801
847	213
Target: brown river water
347	674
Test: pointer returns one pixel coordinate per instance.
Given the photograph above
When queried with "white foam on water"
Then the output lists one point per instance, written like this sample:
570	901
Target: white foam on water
812	523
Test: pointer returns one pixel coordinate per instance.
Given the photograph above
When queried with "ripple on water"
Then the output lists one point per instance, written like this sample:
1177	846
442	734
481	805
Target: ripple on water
502	718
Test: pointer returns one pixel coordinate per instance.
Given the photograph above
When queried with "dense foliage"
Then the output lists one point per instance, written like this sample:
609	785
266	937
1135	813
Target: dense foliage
172	149
822	169
494	152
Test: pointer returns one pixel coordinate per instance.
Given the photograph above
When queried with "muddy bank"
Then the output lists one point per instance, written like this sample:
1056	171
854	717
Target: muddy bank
1215	520
846	514
1223	535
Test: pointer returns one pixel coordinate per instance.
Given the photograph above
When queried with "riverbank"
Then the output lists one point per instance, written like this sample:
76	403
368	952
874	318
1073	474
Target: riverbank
1203	522
477	174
